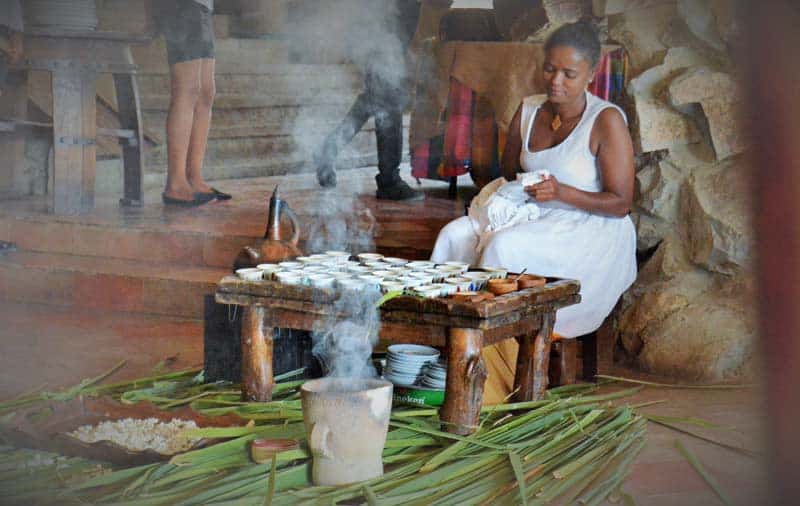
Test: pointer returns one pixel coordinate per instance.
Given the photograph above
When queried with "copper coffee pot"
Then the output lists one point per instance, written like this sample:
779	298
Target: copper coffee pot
272	248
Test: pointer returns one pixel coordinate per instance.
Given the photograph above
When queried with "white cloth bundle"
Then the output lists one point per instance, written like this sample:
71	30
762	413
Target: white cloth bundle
499	205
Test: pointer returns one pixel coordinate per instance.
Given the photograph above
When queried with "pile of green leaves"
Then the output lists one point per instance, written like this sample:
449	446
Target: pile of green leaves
572	446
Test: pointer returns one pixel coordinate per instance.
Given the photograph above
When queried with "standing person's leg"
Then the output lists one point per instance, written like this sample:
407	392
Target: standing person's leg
188	31
390	101
201	124
325	158
184	94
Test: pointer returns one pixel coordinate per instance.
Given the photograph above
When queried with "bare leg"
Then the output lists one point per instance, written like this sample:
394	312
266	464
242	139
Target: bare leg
200	127
184	95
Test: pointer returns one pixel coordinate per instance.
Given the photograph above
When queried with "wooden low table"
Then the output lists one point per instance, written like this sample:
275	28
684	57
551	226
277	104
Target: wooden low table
461	328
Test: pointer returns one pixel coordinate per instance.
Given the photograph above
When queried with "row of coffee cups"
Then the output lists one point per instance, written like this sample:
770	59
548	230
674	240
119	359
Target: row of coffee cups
335	269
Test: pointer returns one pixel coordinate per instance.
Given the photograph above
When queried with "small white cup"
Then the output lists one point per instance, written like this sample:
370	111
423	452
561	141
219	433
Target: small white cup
420	265
427	291
462	266
268	270
496	272
250	274
340	257
479	279
446	289
350	284
290	277
410	282
370	280
290	265
321	280
391	286
395	260
369	257
461	284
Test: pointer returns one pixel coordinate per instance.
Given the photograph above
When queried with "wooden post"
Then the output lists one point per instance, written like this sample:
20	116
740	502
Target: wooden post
14	105
74	139
466	375
132	148
533	360
563	371
257	378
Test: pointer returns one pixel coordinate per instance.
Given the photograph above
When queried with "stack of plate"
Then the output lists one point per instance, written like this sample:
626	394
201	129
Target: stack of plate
405	363
435	375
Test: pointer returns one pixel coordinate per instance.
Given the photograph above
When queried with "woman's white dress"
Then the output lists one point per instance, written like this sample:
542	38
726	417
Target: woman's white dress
597	250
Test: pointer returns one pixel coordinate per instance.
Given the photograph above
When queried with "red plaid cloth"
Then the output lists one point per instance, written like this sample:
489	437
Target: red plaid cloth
458	136
611	76
472	141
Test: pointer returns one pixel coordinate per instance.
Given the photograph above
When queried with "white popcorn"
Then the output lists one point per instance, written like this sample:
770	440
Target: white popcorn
139	435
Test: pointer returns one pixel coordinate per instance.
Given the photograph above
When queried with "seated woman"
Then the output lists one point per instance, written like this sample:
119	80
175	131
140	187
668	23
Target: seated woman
582	229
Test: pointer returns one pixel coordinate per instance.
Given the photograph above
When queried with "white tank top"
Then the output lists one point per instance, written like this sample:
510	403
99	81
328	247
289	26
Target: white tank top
571	162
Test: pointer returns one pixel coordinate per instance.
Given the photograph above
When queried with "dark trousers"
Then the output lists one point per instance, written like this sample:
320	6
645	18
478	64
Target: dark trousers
385	102
385	97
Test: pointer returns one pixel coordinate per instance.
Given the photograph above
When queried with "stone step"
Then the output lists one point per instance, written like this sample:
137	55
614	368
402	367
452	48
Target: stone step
232	55
282	148
335	82
163	244
299	97
155	177
281	119
106	284
263	121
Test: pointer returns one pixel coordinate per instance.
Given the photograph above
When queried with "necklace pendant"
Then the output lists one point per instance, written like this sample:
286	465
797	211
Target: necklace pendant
556	123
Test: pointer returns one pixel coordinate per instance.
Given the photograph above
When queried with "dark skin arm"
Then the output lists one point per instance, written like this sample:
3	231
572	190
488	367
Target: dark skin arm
611	143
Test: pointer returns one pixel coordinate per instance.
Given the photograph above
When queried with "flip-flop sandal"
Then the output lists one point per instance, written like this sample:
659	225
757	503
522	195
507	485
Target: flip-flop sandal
198	200
221	195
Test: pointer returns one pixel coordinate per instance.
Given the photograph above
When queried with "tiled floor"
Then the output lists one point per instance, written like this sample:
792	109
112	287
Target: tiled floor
60	346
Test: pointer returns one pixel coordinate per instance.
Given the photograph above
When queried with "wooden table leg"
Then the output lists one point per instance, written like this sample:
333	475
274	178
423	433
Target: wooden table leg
466	375
257	378
533	360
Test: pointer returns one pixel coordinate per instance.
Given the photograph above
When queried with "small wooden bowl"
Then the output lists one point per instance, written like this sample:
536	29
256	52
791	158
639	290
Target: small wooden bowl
502	286
530	281
473	297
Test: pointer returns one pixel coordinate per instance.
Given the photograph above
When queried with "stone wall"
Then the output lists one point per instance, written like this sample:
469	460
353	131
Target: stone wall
690	313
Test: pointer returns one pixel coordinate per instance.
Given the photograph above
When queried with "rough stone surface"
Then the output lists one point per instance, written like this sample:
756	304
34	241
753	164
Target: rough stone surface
725	16
653	297
640	31
659	185
649	229
707	340
700	19
718	95
716	210
657	125
602	8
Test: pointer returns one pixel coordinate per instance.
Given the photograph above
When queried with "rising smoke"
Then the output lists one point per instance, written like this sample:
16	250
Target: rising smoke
364	33
344	341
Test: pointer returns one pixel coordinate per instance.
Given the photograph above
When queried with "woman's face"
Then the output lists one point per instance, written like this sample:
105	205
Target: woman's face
566	74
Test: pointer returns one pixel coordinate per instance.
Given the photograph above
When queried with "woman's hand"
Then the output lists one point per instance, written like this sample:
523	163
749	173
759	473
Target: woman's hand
545	191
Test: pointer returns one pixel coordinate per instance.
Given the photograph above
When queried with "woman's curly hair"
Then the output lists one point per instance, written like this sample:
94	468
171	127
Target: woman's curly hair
581	35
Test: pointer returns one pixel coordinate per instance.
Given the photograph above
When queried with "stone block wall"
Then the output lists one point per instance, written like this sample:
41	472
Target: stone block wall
690	314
